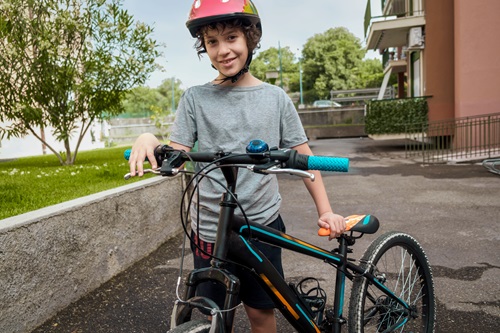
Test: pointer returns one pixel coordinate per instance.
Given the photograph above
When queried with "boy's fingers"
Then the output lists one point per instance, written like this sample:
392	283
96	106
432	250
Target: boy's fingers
152	159
132	163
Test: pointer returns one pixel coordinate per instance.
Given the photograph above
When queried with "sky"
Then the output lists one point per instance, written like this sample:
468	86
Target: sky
288	23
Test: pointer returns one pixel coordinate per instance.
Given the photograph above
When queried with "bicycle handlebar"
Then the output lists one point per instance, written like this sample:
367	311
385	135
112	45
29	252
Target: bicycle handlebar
262	162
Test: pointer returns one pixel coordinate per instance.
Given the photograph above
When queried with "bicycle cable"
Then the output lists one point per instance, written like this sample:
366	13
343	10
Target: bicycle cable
198	176
184	219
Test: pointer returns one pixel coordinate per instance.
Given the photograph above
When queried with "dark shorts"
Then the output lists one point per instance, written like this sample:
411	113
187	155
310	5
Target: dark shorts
251	293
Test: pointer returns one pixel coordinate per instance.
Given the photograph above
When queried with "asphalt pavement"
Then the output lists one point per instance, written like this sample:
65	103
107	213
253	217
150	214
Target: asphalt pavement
452	209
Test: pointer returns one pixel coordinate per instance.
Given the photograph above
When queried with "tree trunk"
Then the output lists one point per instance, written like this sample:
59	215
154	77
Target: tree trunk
42	135
68	152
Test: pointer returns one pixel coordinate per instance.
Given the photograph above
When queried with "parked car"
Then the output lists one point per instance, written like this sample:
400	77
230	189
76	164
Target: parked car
325	103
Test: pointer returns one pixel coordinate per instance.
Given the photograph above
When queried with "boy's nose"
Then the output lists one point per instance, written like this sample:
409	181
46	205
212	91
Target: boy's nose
224	48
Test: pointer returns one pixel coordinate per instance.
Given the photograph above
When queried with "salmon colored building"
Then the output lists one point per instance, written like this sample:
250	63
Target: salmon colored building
446	51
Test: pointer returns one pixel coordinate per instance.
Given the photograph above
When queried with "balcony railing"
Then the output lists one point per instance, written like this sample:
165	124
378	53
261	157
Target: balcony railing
393	54
393	7
456	140
398	10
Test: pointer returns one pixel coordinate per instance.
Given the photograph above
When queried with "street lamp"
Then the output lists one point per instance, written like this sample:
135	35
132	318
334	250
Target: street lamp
301	105
281	65
173	94
271	76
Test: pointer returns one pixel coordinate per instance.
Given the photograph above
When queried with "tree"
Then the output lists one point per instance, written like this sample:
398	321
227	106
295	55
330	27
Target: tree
138	102
329	61
66	63
171	93
155	103
165	89
370	74
269	60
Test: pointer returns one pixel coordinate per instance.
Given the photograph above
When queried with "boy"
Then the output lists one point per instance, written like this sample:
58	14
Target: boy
226	114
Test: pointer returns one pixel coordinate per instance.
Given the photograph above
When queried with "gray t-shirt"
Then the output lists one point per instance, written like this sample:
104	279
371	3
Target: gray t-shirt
227	119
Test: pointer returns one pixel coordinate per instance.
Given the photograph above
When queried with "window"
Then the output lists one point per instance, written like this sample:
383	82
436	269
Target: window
415	74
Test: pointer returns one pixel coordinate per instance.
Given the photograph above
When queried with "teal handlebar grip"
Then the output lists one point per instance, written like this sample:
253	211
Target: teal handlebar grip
327	163
126	154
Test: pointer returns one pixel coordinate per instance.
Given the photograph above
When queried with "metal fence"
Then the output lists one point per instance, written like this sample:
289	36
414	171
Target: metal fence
457	140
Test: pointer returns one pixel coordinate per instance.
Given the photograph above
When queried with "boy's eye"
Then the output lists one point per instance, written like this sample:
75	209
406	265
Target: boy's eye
232	37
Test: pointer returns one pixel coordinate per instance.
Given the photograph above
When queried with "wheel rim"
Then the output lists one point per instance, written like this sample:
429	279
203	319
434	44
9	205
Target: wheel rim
401	271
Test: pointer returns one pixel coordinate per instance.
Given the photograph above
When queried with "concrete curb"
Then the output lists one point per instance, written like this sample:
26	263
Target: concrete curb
52	257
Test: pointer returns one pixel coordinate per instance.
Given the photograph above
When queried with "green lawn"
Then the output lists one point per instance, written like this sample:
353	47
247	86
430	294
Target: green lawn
35	182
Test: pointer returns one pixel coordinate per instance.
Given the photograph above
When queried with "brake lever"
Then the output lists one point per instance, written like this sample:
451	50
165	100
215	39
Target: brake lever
277	170
155	171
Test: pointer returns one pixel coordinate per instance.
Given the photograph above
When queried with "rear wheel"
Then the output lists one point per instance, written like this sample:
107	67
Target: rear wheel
195	326
399	263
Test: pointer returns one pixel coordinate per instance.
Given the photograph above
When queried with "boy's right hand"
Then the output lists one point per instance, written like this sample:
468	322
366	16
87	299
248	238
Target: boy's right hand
143	147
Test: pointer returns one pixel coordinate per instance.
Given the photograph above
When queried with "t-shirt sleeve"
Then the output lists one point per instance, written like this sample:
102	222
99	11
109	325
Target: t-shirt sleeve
292	131
184	130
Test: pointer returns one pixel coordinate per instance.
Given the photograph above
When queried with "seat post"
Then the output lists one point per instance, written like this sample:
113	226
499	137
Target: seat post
340	285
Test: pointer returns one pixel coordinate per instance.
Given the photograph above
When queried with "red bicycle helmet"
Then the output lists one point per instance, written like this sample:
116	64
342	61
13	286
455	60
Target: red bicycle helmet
205	12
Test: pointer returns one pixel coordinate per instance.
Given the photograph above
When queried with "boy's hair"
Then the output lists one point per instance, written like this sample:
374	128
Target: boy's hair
251	32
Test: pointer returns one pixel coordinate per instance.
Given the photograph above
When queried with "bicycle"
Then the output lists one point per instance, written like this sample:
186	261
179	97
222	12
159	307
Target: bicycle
392	285
492	165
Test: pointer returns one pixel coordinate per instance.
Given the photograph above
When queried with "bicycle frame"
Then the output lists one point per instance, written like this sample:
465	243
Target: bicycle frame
232	243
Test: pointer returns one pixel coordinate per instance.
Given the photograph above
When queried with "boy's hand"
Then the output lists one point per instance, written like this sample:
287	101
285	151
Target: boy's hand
143	147
334	222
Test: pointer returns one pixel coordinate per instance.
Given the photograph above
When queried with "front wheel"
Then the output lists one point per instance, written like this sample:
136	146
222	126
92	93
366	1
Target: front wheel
195	326
399	263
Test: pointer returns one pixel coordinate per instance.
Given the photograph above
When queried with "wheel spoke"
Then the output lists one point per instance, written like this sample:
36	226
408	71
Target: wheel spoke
401	265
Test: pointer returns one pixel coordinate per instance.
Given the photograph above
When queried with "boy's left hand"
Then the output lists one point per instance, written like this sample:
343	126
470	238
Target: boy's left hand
334	222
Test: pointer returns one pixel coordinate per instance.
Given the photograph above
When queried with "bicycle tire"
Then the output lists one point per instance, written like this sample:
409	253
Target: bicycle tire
404	268
194	326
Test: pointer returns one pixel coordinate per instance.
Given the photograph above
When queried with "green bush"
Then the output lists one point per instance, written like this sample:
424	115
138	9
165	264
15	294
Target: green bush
32	183
395	116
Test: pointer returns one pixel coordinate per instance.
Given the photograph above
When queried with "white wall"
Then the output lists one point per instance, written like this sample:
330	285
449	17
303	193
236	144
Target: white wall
31	146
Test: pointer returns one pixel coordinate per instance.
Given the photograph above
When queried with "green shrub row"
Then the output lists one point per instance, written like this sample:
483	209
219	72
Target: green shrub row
395	116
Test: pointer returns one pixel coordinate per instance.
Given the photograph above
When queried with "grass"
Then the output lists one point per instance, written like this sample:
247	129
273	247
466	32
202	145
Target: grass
32	183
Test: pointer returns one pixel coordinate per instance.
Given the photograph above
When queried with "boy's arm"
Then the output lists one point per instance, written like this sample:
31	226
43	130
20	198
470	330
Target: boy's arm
327	219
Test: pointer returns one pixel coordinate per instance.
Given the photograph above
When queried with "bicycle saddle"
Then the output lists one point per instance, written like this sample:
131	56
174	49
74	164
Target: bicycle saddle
366	224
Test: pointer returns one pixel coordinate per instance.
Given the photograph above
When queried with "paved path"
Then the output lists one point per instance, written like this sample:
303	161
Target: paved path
453	210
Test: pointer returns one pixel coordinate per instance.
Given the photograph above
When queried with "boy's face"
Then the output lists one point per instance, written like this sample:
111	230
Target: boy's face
227	49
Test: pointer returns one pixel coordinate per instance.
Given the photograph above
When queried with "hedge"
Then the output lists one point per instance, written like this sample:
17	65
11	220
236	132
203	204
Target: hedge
395	115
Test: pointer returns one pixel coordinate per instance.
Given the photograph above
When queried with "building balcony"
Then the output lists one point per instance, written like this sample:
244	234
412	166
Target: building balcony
392	32
394	60
393	7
